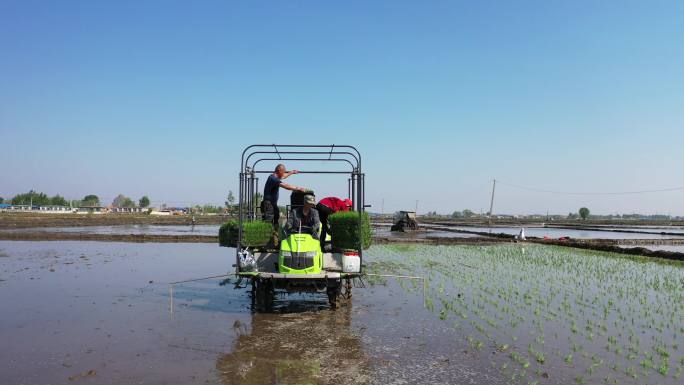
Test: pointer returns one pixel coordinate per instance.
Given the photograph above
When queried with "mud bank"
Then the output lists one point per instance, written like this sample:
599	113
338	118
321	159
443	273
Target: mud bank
606	245
440	240
613	229
610	245
564	222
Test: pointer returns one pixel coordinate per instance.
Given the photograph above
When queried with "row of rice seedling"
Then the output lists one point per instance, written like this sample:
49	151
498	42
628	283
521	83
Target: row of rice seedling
594	317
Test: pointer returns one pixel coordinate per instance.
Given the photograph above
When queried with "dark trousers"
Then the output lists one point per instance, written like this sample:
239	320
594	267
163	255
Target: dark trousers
270	212
323	213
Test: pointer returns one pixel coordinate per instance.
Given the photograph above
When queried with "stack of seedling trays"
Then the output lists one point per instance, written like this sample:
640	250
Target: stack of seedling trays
255	234
346	233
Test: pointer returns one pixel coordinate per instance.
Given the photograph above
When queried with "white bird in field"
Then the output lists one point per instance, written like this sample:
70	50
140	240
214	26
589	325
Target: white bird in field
521	234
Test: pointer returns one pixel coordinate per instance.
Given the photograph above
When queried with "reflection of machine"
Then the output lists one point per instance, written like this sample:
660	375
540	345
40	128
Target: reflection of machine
404	220
298	347
299	265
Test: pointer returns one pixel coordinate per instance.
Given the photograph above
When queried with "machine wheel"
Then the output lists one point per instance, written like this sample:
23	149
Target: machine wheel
264	294
347	292
333	297
254	292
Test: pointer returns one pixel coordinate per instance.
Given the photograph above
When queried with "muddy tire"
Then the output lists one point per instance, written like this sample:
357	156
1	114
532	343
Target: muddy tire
346	294
264	295
333	297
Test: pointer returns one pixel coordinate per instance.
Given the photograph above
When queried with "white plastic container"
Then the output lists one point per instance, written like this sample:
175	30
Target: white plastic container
247	261
351	263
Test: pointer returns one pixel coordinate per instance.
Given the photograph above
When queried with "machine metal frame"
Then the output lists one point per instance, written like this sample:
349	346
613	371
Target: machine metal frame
251	158
249	181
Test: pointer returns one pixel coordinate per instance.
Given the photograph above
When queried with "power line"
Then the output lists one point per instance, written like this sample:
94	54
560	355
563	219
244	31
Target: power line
588	193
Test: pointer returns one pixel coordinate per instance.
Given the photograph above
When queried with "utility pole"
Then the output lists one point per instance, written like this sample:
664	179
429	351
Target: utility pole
491	204
416	207
382	207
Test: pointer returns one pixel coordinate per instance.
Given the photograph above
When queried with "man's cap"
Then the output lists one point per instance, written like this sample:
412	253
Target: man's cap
309	199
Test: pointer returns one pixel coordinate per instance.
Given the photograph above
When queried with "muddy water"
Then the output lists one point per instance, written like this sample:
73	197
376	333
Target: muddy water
98	313
128	229
207	230
433	231
77	310
423	233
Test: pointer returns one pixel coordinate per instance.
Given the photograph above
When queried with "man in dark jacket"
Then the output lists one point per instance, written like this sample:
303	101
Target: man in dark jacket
269	205
304	218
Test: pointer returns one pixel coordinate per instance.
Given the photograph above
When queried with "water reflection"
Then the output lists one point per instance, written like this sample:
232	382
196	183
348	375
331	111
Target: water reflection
296	346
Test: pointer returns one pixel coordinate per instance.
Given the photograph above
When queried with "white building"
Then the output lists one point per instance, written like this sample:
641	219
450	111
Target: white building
129	210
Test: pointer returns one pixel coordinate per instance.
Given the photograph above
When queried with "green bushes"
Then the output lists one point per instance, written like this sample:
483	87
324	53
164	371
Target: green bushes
254	233
344	229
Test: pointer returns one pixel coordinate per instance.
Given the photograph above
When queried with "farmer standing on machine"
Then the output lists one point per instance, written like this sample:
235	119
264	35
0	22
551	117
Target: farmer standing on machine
269	205
328	206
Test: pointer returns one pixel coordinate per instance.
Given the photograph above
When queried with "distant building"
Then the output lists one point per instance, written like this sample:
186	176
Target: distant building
45	209
90	210
160	212
129	210
505	216
19	208
177	210
170	211
53	209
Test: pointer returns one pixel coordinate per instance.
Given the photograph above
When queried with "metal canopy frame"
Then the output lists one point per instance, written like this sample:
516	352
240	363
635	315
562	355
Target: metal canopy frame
257	153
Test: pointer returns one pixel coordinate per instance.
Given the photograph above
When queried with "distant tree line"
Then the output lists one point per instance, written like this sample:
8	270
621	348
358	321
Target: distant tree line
231	206
91	200
462	214
207	209
39	199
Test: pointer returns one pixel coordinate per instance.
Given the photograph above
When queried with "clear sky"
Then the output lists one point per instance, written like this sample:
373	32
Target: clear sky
160	98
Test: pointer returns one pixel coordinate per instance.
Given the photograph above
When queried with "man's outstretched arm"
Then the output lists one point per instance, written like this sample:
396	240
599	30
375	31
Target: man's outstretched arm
288	173
292	188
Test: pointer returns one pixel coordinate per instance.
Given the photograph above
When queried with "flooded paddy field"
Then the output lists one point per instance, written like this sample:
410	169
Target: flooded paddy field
38	219
98	313
202	232
126	229
187	233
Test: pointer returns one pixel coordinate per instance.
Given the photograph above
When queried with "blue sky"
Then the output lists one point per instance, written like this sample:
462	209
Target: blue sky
160	98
